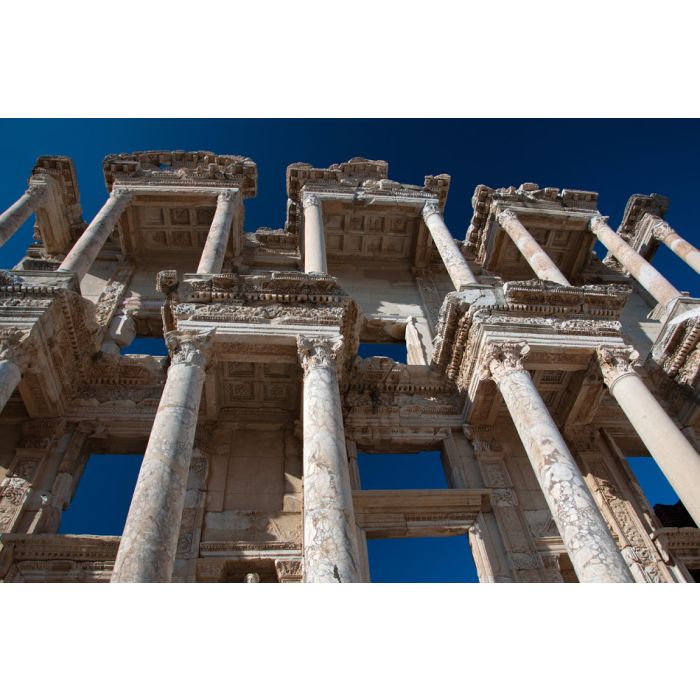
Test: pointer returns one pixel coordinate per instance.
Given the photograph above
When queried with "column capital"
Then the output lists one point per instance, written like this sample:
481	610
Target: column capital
597	221
38	189
429	209
505	216
310	200
122	192
227	195
13	347
616	362
502	359
318	352
660	230
191	348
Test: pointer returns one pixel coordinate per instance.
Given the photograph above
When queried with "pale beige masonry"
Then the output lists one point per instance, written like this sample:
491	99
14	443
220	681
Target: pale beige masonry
330	543
668	236
314	239
542	265
652	280
593	552
454	261
85	251
255	422
676	457
147	549
212	260
15	215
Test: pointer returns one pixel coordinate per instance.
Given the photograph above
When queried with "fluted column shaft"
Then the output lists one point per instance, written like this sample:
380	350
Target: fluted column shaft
542	265
684	250
330	544
314	239
149	542
212	260
644	272
15	215
455	264
667	445
86	249
590	545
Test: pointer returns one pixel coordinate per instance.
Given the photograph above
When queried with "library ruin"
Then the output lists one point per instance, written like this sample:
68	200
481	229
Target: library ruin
533	368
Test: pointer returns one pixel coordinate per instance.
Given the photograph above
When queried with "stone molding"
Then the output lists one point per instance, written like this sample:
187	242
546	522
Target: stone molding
14	348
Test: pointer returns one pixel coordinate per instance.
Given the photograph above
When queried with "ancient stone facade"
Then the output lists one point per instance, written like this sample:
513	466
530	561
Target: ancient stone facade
533	367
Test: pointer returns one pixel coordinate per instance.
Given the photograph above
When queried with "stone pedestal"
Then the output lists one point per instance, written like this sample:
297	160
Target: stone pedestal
330	545
645	273
454	261
89	245
148	545
212	259
667	445
542	265
684	250
314	241
13	217
588	541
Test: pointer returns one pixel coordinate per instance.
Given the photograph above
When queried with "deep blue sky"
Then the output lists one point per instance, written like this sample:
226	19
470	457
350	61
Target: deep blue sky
613	157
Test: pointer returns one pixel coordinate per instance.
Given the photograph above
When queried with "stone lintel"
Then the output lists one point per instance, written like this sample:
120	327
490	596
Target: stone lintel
418	513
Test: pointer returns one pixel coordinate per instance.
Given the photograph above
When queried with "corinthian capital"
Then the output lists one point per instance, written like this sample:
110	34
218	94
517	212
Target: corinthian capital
318	352
227	195
660	230
429	209
597	222
616	361
501	359
190	347
507	216
14	348
310	200
122	193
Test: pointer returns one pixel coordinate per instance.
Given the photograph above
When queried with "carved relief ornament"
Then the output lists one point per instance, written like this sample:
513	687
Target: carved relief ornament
501	359
13	347
190	347
310	200
429	209
616	362
317	353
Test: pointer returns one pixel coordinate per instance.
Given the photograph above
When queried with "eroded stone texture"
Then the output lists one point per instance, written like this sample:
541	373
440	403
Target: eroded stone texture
652	280
668	446
83	254
148	544
454	261
542	265
592	549
330	546
212	259
15	215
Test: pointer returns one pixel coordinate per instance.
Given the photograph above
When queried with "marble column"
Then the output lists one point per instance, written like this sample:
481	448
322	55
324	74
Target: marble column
89	245
588	541
667	445
314	240
212	259
149	541
13	217
13	358
644	272
684	250
330	544
542	265
454	261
